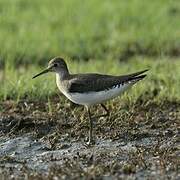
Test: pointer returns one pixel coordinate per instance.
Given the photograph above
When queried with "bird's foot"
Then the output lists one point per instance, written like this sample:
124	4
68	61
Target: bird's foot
89	143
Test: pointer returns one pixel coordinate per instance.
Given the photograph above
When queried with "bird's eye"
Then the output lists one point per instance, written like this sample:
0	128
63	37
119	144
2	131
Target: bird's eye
55	65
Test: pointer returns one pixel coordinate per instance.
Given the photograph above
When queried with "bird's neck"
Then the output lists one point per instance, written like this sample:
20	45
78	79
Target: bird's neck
60	79
61	75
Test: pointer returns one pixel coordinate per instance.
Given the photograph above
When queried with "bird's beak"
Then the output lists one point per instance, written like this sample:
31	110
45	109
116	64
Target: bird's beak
43	72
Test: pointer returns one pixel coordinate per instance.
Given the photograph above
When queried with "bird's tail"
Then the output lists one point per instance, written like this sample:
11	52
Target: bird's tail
137	78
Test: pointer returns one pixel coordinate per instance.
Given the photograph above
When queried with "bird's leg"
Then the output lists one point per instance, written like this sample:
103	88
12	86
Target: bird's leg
91	141
103	115
105	109
90	126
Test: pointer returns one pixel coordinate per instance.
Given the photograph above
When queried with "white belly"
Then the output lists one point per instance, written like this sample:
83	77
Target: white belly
91	98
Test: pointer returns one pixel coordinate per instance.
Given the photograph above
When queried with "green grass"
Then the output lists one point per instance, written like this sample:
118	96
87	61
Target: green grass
34	31
102	32
162	82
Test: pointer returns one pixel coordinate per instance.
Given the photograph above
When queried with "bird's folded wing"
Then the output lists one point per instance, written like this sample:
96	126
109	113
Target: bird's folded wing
95	82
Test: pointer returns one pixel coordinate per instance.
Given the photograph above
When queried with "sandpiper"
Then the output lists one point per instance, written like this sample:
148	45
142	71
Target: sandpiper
90	89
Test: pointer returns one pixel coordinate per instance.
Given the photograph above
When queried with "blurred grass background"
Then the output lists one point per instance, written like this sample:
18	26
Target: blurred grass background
111	37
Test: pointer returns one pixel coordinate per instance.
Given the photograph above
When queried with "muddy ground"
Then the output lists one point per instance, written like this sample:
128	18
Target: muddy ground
46	140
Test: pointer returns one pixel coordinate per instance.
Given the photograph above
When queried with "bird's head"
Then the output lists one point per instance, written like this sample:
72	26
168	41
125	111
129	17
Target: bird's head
57	65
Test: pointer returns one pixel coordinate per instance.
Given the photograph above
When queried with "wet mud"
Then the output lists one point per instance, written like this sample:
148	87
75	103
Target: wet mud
39	140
